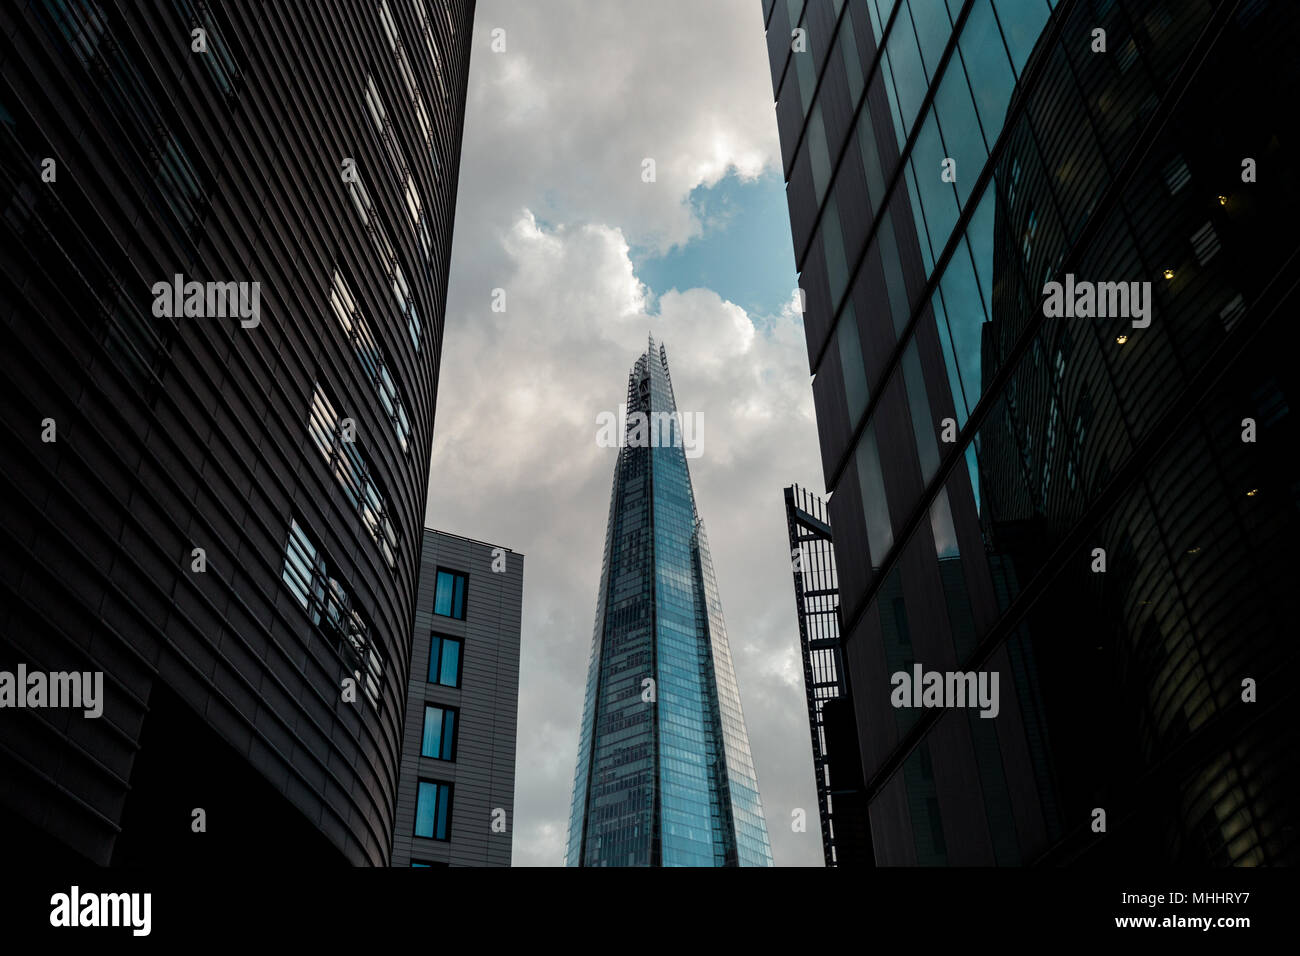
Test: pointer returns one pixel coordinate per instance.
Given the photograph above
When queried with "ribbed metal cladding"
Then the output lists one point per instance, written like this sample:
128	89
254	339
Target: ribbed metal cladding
312	149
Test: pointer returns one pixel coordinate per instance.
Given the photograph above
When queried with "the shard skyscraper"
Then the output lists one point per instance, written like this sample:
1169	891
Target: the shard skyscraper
665	776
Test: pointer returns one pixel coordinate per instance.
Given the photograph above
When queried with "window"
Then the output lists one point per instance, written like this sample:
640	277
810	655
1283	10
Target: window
401	291
855	373
444	661
439	733
985	58
371	357
329	605
433	810
818	152
384	129
449	599
408	78
353	473
880	533
426	27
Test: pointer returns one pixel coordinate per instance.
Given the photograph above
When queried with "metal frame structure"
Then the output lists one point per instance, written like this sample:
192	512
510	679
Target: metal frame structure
817	602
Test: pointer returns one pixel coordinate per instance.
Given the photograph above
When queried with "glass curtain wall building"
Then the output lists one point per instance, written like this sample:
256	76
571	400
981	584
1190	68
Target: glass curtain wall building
664	775
1100	509
213	494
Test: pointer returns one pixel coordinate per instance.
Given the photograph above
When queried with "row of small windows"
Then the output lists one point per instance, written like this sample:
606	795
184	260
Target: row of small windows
340	451
329	605
408	78
384	127
371	357
388	256
426	28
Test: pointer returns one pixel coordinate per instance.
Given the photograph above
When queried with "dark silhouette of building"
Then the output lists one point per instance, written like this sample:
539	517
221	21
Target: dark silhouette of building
946	161
664	772
456	798
226	240
837	764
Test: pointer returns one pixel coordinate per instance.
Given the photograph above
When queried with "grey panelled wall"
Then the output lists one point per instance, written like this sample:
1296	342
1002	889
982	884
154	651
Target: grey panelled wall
482	773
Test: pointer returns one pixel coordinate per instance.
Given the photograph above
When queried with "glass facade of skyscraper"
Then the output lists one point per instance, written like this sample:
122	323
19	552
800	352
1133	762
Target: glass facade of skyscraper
945	162
665	776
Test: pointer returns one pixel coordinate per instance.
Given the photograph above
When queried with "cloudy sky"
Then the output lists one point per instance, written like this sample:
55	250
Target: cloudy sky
552	209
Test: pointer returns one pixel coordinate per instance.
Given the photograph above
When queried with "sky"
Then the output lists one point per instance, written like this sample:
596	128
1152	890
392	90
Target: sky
553	210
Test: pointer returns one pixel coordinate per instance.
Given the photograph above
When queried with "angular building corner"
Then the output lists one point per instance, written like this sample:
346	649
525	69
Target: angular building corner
664	775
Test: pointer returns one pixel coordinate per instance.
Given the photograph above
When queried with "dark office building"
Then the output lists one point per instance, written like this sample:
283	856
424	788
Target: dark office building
664	775
226	240
1099	507
456	793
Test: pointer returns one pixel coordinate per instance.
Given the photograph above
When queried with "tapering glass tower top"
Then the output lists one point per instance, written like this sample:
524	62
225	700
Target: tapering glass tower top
665	776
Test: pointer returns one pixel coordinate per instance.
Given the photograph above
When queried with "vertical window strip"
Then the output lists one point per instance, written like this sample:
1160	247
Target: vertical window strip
329	606
357	330
349	467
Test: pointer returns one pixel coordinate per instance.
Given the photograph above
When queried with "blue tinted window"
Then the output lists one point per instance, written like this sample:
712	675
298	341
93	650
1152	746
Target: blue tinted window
433	810
938	200
444	661
819	155
950	352
877	22
444	811
923	426
855	375
852	62
449	598
439	733
909	76
893	265
932	30
450	670
880	533
964	310
837	269
870	159
979	233
1022	23
987	67
960	128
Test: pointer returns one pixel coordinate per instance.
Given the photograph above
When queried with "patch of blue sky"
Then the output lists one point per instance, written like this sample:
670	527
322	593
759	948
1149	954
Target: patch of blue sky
744	252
